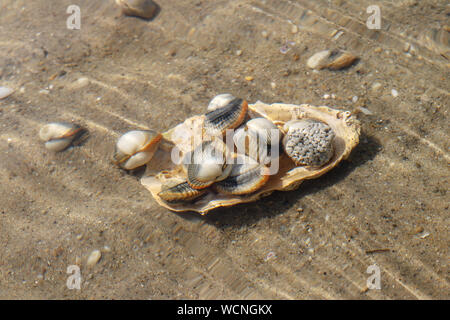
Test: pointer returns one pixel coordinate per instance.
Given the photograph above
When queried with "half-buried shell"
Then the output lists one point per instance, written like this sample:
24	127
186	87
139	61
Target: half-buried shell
59	135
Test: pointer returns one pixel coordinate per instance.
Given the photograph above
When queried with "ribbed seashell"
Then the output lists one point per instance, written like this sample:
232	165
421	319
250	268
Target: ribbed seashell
146	9
220	101
227	117
175	192
207	164
59	135
257	138
308	142
245	178
136	148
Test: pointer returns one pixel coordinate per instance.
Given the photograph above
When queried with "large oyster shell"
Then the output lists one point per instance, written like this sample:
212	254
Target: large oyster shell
162	169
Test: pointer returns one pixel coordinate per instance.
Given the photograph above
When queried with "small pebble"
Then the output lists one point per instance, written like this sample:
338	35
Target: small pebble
191	32
5	92
426	234
394	93
249	78
94	257
44	91
326	96
418	230
337	35
270	255
354	99
376	86
239	52
378	50
406	47
80	83
294	29
264	34
273	85
365	111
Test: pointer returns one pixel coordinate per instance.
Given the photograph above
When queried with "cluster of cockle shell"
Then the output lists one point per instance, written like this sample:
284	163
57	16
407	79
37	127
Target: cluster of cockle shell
242	166
233	153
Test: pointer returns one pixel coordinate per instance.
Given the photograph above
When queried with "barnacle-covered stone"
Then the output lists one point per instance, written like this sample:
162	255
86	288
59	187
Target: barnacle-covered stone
309	142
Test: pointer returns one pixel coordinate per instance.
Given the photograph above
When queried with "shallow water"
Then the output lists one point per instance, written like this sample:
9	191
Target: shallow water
387	205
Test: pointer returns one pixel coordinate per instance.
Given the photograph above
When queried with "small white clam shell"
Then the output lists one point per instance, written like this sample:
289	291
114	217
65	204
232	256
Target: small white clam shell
132	141
136	148
58	135
137	160
220	101
58	145
5	92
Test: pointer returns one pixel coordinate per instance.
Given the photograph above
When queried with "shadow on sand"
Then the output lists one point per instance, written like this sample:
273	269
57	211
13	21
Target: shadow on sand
279	202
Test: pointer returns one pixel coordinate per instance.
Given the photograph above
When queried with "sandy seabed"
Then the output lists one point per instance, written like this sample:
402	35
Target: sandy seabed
387	205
